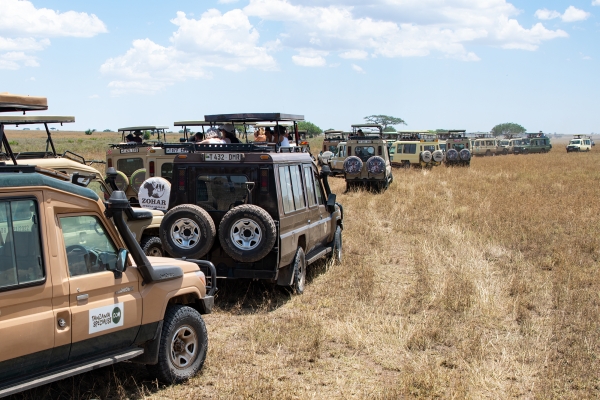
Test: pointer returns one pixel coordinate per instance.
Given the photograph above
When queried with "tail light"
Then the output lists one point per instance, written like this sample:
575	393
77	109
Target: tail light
109	163
264	180
379	150
182	180
151	168
349	150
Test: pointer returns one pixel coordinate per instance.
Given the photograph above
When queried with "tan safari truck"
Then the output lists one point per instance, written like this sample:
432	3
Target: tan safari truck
82	173
458	148
487	145
254	210
417	149
77	293
336	160
580	143
332	138
368	160
129	157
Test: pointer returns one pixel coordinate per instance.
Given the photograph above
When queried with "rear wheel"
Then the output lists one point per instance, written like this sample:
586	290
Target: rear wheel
488	153
183	345
187	231
299	281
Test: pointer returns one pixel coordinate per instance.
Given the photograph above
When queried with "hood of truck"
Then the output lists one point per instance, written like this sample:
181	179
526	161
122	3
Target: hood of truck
186	266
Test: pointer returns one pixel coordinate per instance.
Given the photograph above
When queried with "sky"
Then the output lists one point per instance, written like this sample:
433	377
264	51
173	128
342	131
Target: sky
437	64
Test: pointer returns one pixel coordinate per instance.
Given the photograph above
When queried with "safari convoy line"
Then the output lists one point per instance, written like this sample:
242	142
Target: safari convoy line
97	269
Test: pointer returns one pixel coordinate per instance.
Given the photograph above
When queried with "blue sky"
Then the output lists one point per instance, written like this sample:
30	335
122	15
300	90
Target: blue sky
454	64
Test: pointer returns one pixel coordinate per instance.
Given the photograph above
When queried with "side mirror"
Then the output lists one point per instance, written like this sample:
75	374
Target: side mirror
331	202
81	180
121	264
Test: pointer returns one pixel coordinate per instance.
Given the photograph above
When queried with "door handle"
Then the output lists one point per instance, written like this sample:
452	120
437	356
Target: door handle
82	298
308	221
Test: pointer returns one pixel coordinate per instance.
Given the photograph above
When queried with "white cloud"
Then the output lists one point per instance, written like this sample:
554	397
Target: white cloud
545	14
16	59
573	14
94	96
358	69
25	29
216	40
21	17
227	1
310	58
596	3
400	28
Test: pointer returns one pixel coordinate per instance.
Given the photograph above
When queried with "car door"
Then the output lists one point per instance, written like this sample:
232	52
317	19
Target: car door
27	322
106	310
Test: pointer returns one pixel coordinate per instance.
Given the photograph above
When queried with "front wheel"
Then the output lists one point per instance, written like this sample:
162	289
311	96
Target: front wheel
152	246
299	281
183	345
336	253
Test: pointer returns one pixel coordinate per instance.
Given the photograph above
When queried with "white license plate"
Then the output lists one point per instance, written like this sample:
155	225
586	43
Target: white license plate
223	156
175	150
131	150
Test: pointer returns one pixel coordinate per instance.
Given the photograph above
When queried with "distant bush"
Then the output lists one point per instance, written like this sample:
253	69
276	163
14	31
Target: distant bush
107	130
90	131
146	135
13	143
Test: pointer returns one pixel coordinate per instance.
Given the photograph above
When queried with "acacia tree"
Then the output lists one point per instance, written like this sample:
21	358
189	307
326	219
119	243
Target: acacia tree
508	128
310	128
385	120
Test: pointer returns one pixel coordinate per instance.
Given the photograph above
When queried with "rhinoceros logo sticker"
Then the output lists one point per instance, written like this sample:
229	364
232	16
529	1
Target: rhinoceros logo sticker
154	193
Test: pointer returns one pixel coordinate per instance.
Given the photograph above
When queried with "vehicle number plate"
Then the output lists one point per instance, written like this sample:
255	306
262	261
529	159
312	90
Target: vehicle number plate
223	156
131	150
175	150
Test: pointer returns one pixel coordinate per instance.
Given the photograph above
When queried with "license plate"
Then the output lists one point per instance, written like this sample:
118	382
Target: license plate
131	150
223	156
175	150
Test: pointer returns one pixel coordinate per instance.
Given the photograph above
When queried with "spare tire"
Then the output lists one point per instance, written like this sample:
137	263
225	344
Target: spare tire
376	165
452	155
187	231
247	233
426	156
137	178
353	165
465	155
438	156
122	181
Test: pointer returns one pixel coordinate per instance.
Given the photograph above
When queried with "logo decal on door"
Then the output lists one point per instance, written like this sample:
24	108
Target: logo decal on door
107	317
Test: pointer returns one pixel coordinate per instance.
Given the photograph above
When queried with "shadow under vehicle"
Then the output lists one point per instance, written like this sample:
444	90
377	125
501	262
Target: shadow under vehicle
417	149
76	291
257	211
458	145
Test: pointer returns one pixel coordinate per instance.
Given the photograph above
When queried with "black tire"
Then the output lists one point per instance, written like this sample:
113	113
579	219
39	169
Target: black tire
247	233
183	333
525	152
488	153
406	164
336	249
187	231
152	246
299	268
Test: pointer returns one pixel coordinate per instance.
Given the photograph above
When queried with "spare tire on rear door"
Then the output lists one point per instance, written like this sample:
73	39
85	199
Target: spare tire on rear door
247	233
426	156
187	231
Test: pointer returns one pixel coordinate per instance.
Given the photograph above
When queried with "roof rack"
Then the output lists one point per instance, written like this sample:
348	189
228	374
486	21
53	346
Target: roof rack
18	102
253	117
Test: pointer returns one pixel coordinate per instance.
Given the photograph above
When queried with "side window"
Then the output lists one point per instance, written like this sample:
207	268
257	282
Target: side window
410	148
318	190
88	246
20	250
310	187
129	165
392	150
285	184
297	187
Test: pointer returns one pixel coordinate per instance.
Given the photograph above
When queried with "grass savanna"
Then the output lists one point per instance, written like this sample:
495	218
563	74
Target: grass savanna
477	282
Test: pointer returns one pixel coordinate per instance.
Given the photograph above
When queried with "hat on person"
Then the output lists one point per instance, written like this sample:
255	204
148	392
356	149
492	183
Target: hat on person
137	132
227	128
212	133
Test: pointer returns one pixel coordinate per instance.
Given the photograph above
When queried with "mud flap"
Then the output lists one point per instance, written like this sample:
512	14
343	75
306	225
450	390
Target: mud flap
285	275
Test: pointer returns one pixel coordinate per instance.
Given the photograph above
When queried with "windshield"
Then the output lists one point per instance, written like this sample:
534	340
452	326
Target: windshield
575	142
504	143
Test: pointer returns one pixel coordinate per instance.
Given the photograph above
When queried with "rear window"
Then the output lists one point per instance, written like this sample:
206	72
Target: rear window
364	152
220	192
129	165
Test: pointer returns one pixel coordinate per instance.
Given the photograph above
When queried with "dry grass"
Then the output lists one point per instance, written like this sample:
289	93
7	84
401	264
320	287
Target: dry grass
456	283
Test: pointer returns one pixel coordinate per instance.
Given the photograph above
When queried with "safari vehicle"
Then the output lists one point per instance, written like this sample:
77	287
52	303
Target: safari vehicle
487	145
129	158
580	143
336	160
81	172
76	291
255	211
416	148
458	145
330	145
509	143
539	143
368	159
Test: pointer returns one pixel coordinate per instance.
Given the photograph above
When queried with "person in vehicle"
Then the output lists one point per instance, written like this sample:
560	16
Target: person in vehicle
269	134
280	136
137	136
228	133
212	136
198	137
259	135
360	132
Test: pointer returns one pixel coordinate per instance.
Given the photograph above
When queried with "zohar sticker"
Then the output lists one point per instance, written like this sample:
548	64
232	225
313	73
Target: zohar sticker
107	317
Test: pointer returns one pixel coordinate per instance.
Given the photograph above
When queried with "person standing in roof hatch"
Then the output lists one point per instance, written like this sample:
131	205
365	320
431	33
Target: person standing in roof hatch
137	136
228	133
280	136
